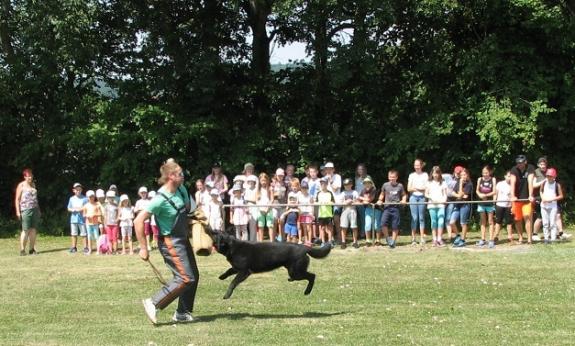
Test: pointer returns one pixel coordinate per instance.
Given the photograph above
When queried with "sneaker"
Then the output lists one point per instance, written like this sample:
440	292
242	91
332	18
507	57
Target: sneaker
536	237
391	244
368	244
491	244
150	309
32	252
86	251
565	236
355	245
22	253
343	246
73	250
422	241
459	242
324	244
300	242
413	243
185	317
481	243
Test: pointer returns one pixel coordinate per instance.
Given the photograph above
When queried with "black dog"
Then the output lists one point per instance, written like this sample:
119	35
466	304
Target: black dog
248	257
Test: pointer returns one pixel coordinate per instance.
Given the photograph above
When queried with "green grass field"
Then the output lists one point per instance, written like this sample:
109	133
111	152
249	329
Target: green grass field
513	295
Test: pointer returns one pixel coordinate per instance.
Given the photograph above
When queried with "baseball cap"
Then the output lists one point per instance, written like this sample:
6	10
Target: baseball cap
542	159
329	165
142	189
77	185
214	192
252	178
216	164
152	194
520	159
239	178
113	187
551	172
210	184
367	180
323	180
124	197
90	193
304	185
457	169
111	193
248	165
347	181
237	188
280	171
100	193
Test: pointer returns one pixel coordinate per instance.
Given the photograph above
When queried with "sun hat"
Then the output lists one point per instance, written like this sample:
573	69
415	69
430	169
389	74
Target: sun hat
551	172
111	193
90	193
113	187
237	188
347	181
124	197
152	194
142	189
324	180
239	178
367	180
100	193
214	192
252	178
248	165
280	171
329	165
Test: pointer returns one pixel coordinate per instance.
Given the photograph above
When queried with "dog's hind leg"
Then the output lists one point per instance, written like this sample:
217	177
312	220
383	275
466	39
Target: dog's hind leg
298	271
227	273
235	282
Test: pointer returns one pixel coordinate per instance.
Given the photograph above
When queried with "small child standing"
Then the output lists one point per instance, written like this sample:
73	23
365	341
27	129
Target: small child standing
111	220
250	195
348	217
214	214
503	209
126	223
436	193
325	200
239	213
306	218
290	217
392	192
550	192
92	212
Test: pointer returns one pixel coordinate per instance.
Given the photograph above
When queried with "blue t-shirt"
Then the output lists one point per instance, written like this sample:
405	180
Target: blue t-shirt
77	202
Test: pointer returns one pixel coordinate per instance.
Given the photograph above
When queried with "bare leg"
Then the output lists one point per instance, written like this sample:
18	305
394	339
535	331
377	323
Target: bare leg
23	239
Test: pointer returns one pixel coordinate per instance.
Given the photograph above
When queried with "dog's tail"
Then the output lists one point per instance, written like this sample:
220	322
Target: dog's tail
319	252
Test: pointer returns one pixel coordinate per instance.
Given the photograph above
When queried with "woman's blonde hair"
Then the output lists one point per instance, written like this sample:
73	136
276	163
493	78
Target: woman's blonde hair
169	167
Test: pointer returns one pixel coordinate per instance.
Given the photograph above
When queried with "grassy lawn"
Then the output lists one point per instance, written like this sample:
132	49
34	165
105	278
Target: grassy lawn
512	295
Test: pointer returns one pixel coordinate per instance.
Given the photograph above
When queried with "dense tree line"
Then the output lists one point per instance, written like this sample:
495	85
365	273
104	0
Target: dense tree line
103	91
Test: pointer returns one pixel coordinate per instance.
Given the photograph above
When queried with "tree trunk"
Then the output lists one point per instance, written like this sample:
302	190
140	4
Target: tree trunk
5	32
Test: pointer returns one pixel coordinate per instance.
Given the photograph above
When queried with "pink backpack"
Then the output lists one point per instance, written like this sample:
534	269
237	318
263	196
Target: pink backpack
103	244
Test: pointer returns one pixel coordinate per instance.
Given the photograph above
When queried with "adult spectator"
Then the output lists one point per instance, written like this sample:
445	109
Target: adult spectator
416	185
170	208
218	180
28	211
538	179
522	175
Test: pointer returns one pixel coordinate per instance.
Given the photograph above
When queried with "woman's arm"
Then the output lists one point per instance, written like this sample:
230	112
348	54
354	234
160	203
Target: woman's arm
17	199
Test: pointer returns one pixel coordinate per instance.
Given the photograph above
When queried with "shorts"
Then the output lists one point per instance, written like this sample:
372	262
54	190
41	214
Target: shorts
93	231
78	228
127	231
348	218
290	229
266	219
521	210
372	216
324	221
485	208
461	213
503	215
30	218
337	210
391	217
112	233
306	218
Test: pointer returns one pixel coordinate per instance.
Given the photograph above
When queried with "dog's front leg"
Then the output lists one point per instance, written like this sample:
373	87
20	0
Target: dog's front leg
235	282
227	273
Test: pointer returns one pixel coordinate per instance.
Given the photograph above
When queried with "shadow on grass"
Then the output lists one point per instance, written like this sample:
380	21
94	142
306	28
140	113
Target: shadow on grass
243	315
53	250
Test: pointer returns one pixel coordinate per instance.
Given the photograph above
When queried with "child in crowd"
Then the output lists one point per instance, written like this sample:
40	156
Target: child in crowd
239	213
101	197
392	192
325	200
289	219
462	211
348	217
503	209
416	185
306	217
452	181
279	190
372	216
250	196
111	220
140	205
202	196
92	212
436	193
312	180
126	216
485	191
215	211
294	191
265	215
77	223
551	192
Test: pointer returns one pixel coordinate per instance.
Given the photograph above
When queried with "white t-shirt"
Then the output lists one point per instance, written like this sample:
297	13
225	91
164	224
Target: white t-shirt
437	192
418	181
549	191
503	194
126	217
302	199
346	196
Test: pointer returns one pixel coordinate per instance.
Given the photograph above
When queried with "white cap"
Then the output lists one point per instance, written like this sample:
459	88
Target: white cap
210	184
214	192
239	178
142	189
100	193
280	171
237	188
90	193
253	178
77	185
152	194
124	197
292	195
111	193
329	165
